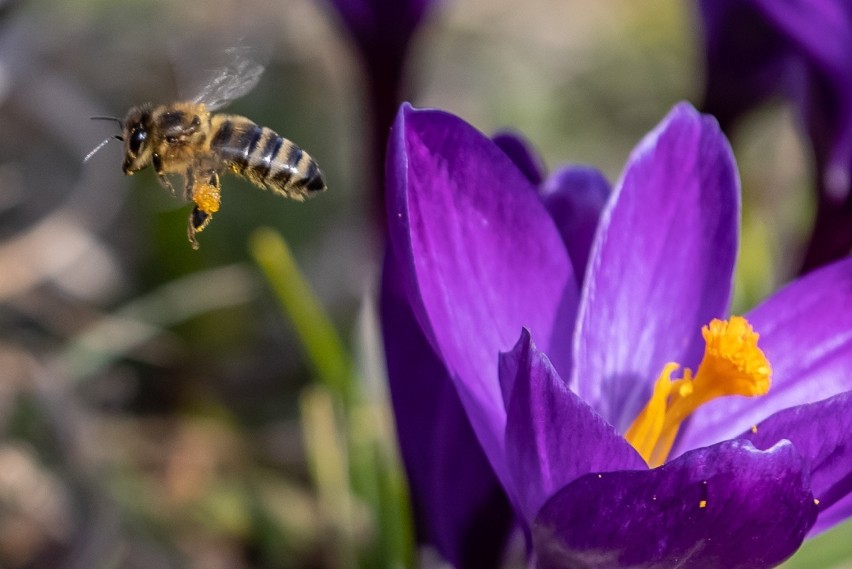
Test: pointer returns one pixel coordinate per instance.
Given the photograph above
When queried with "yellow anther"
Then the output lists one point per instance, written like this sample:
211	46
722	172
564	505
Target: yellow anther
732	365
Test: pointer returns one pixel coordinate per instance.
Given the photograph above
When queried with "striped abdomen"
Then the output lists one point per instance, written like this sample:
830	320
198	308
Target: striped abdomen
263	157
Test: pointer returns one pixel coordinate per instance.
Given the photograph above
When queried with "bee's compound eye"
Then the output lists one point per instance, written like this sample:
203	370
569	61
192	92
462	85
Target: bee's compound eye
137	138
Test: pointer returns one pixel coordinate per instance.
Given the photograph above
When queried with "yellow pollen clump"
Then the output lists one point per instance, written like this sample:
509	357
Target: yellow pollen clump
207	197
702	504
732	365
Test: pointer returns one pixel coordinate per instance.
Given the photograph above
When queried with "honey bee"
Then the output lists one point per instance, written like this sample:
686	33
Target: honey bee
188	140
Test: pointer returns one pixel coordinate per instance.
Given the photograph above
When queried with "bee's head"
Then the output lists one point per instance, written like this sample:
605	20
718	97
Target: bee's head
137	150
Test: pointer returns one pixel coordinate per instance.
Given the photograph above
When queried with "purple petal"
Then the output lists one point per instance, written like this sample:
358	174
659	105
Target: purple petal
661	265
840	512
375	23
724	507
382	31
759	49
520	151
552	436
747	59
479	256
575	196
806	333
459	505
800	48
822	434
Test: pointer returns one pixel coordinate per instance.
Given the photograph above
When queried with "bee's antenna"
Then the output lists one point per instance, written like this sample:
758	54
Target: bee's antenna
101	145
116	119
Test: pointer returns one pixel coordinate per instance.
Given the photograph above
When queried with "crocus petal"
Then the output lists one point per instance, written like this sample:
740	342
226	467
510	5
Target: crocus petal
806	333
575	196
388	23
382	31
822	434
552	436
521	152
459	504
840	512
661	265
745	58
759	49
799	48
479	255
729	506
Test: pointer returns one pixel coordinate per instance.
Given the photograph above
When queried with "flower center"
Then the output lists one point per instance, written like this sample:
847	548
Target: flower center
732	365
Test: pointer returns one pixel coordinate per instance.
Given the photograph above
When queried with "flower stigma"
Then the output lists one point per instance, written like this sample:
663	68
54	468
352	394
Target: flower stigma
732	365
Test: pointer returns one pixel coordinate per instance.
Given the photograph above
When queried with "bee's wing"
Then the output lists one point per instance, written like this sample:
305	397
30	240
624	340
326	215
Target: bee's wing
235	79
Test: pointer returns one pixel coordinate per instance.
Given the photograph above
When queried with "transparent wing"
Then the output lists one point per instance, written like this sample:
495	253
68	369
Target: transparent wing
239	75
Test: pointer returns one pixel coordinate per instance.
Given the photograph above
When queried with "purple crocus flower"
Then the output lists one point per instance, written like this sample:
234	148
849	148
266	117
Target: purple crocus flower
382	31
799	49
515	367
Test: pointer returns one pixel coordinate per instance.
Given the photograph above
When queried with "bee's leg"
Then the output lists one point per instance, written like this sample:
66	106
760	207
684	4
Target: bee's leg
157	162
198	220
166	184
206	193
189	184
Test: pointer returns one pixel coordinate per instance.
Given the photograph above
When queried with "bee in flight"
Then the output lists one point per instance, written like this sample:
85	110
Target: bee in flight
188	140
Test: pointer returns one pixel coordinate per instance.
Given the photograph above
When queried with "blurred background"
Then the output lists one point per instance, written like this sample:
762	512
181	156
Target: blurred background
164	407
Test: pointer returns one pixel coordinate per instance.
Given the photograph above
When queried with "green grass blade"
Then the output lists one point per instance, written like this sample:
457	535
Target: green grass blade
322	344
